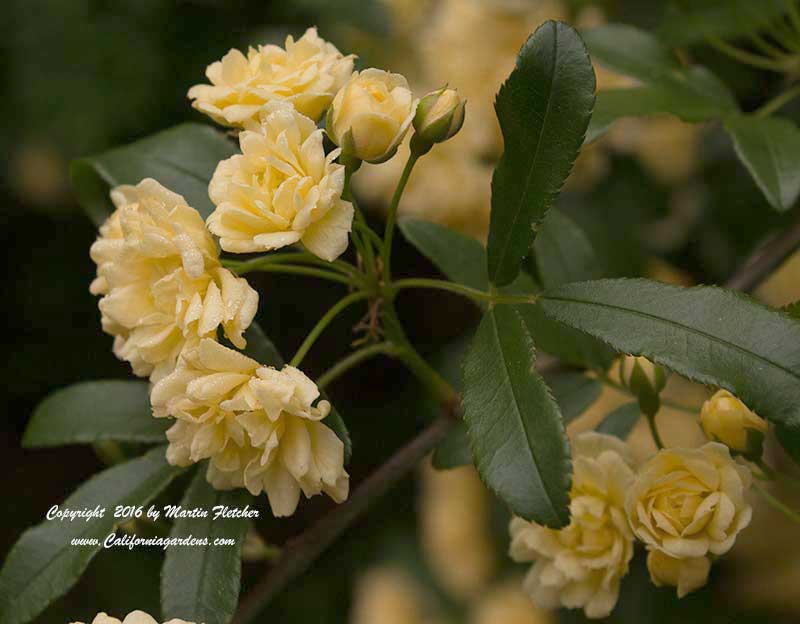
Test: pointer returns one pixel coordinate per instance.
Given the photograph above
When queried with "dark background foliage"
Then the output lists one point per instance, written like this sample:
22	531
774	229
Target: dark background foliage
81	76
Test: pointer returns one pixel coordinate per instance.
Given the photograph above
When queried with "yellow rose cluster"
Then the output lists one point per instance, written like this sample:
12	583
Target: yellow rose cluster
684	505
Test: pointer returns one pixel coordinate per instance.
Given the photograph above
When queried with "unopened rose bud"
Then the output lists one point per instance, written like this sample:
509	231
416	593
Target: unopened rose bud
726	419
645	380
370	115
440	115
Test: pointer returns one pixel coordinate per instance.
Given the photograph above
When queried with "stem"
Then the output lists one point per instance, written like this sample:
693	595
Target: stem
778	102
748	58
472	293
651	421
271	267
432	380
391	218
324	322
773	475
370	234
776	503
303	550
794	15
364	246
343	267
352	360
765	259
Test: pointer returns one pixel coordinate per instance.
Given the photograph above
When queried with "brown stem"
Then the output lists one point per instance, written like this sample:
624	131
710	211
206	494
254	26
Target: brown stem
766	259
300	552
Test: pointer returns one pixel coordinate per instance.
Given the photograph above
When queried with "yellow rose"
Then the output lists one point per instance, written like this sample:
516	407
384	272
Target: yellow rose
134	617
255	424
281	189
439	115
726	419
371	114
306	74
690	502
162	284
686	574
581	565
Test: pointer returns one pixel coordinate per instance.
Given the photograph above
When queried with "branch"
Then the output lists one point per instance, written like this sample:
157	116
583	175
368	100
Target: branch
300	552
768	257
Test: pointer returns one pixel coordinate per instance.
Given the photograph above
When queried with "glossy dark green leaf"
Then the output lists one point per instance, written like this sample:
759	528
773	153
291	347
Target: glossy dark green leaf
463	260
574	392
453	451
621	421
95	411
693	21
201	583
789	438
770	149
44	564
182	158
261	348
708	334
563	252
544	109
513	422
693	94
652	99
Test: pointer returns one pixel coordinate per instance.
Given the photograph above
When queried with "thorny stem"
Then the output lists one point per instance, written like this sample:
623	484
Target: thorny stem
325	321
303	550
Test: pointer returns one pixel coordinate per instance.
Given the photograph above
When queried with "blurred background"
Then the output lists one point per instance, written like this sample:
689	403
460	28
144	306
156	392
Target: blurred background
655	197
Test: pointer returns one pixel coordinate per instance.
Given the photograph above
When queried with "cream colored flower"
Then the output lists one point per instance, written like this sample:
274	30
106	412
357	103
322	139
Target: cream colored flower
306	74
726	419
162	284
281	189
255	424
637	370
686	574
134	617
455	532
690	502
371	114
580	566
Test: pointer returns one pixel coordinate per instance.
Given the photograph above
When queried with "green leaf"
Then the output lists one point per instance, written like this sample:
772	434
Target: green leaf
182	158
544	109
463	260
770	149
793	310
453	451
262	350
201	583
621	421
710	335
693	94
654	99
698	19
43	564
94	411
574	393
514	423
563	252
